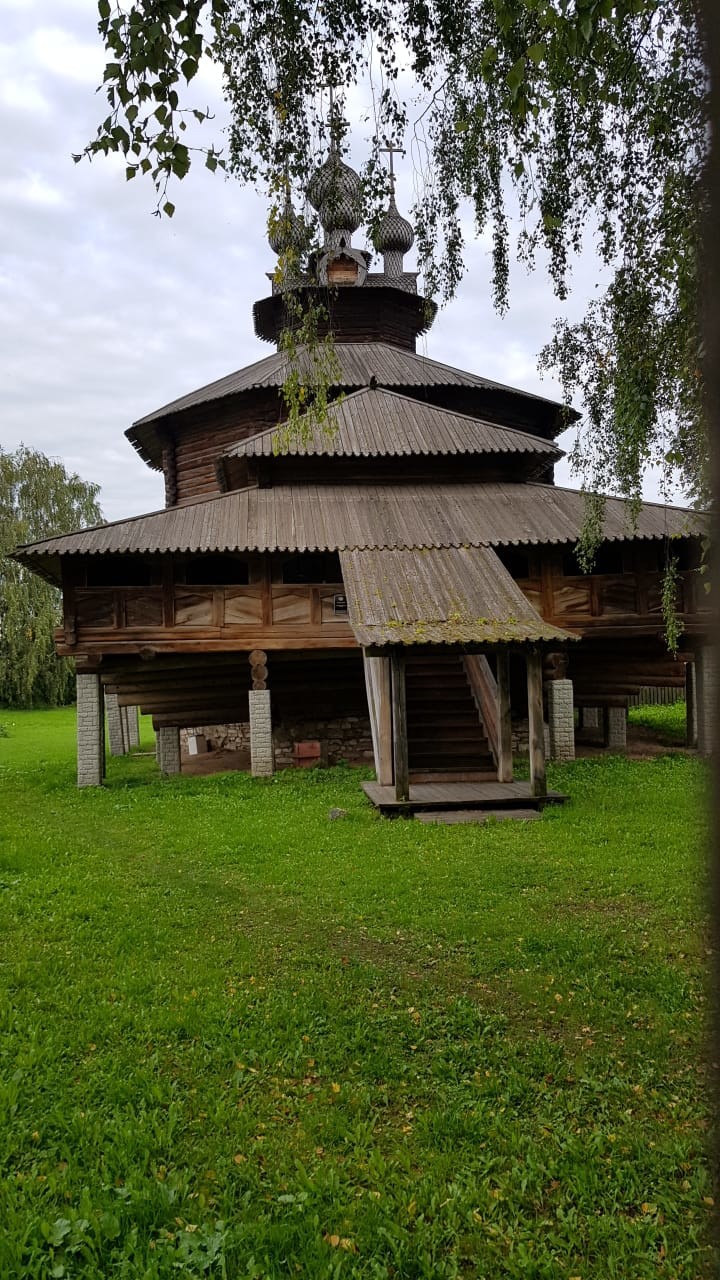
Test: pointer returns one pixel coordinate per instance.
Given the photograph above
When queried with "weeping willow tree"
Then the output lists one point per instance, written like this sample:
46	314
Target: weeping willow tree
38	498
583	122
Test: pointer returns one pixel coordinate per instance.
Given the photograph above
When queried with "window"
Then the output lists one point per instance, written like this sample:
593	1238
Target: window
516	561
215	570
304	569
119	571
608	559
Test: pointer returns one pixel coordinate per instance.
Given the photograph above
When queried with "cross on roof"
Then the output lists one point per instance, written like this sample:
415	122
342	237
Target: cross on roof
392	151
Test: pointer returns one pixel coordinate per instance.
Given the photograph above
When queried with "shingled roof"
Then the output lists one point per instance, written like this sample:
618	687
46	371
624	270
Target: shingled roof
375	422
325	517
360	363
437	595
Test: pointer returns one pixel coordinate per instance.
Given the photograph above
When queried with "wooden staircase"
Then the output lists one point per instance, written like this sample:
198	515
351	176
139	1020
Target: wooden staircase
446	736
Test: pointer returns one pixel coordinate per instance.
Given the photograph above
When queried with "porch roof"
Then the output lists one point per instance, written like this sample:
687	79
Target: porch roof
437	595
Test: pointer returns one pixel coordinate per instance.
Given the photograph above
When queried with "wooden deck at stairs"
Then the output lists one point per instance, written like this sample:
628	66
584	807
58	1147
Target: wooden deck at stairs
483	797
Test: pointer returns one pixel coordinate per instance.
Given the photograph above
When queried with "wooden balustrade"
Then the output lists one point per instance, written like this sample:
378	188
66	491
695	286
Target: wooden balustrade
182	614
485	692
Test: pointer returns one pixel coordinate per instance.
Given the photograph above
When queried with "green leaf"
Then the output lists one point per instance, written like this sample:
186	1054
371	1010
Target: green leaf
189	68
537	52
104	9
516	75
169	208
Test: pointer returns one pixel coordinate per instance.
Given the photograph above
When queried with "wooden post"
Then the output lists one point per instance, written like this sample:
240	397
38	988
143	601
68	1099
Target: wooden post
504	746
377	684
536	736
399	726
691	721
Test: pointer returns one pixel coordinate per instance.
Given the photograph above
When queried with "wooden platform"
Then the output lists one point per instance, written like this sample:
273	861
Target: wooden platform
453	817
429	796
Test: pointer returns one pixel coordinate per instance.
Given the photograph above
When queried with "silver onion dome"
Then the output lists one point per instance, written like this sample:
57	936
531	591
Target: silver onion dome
335	190
288	230
395	233
334	180
393	238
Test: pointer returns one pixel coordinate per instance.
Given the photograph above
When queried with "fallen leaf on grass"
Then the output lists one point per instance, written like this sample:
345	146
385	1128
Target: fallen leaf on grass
340	1242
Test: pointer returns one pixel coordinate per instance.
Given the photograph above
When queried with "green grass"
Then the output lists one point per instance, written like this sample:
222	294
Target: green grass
238	1039
669	723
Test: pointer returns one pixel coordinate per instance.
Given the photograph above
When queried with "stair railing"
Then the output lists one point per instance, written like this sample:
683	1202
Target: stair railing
484	690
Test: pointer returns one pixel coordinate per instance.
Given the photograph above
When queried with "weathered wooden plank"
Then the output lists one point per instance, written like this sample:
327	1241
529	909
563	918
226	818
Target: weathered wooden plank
504	753
291	605
243	606
485	693
399	725
535	723
378	685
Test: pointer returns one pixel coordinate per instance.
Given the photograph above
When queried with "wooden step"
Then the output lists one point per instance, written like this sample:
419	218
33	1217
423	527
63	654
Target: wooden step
450	817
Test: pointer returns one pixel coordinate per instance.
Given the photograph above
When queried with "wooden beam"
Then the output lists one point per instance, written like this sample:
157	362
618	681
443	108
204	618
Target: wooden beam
377	684
504	750
536	737
401	767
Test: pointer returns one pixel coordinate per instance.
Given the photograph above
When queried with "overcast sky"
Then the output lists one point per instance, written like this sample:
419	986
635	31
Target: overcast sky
107	312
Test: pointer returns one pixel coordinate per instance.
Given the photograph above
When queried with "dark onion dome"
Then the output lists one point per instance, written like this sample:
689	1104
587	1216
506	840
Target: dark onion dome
395	234
335	190
287	231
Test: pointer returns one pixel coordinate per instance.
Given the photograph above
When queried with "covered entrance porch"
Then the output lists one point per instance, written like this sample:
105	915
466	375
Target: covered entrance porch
456	606
402	789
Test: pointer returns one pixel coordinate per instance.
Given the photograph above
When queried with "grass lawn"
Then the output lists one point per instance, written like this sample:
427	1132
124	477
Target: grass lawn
239	1039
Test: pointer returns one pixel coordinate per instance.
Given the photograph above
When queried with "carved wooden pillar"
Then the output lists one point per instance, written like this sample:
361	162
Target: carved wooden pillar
262	763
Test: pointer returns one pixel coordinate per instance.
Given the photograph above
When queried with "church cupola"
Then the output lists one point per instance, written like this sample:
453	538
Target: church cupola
335	191
287	231
393	239
351	302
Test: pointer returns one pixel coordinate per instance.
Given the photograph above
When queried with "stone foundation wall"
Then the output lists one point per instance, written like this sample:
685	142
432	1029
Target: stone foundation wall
221	737
346	739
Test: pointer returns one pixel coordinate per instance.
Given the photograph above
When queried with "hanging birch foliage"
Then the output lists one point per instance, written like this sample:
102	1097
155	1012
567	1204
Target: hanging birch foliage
587	119
38	498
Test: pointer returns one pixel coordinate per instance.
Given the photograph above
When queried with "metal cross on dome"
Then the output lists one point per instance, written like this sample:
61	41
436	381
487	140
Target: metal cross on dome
392	151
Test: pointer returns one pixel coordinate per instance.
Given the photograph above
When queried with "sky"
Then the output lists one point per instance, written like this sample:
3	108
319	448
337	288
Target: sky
107	312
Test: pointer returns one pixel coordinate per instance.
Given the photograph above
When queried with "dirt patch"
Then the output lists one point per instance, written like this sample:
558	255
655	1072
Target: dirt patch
643	743
216	762
623	905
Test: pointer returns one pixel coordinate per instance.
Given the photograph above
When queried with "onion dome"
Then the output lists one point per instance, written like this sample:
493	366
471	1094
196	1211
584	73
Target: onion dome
395	234
287	231
335	190
334	180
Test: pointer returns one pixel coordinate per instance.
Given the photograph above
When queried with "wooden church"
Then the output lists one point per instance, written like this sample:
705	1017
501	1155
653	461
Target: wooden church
399	582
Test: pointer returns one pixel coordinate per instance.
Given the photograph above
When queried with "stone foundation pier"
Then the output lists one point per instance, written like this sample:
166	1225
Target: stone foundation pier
90	731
